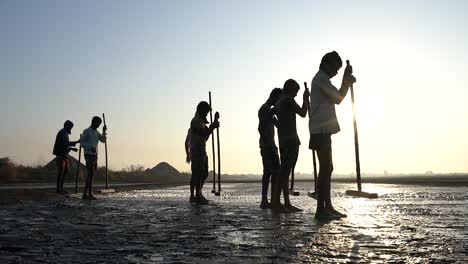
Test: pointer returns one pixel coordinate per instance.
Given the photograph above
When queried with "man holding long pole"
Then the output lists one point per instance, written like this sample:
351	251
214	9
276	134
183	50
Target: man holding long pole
323	123
200	133
89	142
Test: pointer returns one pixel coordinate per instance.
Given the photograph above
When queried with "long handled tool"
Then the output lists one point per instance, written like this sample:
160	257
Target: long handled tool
291	189
314	194
293	192
359	192
107	190
218	193
213	148
78	167
105	147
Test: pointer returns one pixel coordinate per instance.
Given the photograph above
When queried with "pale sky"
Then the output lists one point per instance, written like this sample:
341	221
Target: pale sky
147	64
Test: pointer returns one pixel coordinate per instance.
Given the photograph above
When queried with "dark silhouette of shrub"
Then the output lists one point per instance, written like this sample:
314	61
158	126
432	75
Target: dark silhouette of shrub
7	170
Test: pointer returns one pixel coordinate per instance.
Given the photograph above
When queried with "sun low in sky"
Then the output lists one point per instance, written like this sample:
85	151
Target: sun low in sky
147	64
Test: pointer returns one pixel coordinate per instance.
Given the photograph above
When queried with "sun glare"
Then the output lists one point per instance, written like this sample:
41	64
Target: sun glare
370	110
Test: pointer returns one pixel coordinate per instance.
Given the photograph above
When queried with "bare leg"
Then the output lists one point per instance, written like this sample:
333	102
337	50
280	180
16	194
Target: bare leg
276	187
62	180
265	183
88	182
328	202
91	182
192	189
274	183
284	175
324	156
59	178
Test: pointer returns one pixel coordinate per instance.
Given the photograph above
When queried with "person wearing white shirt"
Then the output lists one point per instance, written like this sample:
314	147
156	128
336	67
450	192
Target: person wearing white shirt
323	123
89	142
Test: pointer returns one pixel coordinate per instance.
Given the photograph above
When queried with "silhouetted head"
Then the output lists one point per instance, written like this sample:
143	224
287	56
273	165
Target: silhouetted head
331	63
203	108
68	125
274	96
96	122
291	87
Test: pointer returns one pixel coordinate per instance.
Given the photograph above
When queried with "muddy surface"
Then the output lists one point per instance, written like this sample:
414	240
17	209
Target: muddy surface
407	224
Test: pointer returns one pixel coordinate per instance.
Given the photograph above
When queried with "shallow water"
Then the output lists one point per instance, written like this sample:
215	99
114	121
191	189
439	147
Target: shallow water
407	224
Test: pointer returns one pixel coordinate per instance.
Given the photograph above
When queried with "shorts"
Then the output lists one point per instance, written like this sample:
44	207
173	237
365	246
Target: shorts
199	167
61	162
289	155
270	159
91	161
320	141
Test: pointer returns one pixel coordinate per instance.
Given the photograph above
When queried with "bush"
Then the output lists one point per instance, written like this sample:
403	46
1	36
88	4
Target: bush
7	170
134	168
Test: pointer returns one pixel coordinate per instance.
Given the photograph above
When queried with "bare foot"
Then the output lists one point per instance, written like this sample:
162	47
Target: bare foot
292	208
335	212
265	205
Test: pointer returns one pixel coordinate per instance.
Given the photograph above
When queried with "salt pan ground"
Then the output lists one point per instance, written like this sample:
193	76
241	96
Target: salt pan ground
407	224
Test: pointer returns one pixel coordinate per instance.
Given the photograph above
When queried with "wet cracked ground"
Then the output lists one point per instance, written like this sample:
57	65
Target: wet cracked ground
405	225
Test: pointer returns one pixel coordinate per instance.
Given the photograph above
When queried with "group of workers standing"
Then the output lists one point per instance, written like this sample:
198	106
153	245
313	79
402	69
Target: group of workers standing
280	110
89	142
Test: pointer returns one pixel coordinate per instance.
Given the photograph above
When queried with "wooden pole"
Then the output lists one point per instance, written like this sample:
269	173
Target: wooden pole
79	165
356	143
105	148
213	148
356	138
219	162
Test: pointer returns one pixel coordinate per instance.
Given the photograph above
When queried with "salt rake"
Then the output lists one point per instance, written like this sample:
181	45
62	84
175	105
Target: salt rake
79	165
216	193
359	192
76	194
106	190
293	192
314	193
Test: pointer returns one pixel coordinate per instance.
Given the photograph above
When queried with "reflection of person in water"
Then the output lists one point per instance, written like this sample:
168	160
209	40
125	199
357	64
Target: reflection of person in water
289	142
61	148
270	159
323	123
89	142
199	134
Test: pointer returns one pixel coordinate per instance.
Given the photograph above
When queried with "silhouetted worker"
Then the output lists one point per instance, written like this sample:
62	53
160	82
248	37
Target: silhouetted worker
199	135
323	123
89	142
268	149
61	148
289	142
